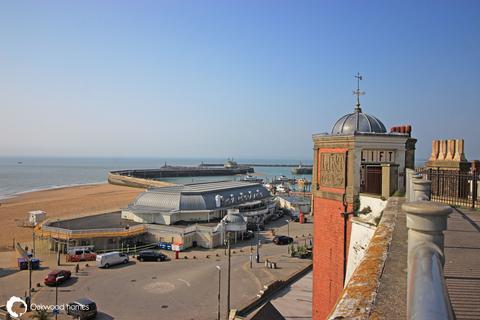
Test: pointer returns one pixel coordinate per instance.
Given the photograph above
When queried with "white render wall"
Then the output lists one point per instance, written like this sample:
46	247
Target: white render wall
360	237
363	228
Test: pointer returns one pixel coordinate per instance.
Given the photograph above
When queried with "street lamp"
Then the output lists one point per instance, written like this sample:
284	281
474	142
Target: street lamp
57	309
33	238
251	250
219	287
229	267
258	241
58	242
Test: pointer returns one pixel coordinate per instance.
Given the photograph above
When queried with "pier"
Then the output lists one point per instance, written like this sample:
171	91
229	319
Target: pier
184	171
260	165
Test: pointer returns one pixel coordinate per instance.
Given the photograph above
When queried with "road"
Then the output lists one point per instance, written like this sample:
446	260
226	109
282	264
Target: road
181	289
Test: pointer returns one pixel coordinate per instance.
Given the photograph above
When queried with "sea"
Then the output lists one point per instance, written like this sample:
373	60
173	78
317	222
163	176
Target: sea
26	174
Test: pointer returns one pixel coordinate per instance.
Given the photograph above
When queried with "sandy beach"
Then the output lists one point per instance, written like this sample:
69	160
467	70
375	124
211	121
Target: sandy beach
64	202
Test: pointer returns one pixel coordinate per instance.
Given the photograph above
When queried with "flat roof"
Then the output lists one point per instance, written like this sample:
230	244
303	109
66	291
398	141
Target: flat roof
99	221
205	187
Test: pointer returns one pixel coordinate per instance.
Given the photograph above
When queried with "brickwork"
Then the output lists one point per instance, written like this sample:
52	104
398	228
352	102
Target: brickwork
328	255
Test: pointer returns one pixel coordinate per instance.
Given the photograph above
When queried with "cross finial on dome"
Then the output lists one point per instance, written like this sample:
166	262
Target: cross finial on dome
358	93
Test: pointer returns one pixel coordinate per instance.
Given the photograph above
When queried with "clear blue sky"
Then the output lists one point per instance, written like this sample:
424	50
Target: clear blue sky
231	78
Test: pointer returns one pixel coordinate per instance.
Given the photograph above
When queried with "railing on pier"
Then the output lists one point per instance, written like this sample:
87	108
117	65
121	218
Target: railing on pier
427	295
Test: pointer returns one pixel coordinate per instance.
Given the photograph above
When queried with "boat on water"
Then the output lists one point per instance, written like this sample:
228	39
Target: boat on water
282	188
249	178
302	169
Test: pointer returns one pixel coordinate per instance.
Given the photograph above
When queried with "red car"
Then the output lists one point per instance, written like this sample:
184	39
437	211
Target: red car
80	254
61	275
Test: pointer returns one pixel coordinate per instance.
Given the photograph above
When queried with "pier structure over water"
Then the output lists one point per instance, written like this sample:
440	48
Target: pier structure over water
184	171
148	178
273	165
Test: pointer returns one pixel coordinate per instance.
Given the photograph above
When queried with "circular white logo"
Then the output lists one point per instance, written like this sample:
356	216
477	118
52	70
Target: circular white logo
10	304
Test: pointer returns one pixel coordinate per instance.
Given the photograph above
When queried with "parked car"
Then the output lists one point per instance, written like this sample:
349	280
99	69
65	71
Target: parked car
80	254
111	258
82	309
277	215
281	240
151	255
52	276
246	235
254	227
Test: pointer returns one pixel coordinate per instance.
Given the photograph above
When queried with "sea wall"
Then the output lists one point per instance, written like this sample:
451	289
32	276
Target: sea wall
121	180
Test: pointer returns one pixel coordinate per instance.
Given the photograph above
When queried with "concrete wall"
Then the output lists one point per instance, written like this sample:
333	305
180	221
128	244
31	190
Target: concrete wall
122	180
158	218
376	204
196	216
360	238
204	239
363	228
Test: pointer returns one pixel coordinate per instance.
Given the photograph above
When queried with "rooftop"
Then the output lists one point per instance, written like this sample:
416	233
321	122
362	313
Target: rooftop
99	221
198	196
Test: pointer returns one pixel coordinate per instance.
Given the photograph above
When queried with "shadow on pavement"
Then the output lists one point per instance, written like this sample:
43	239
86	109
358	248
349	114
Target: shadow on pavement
7	272
103	316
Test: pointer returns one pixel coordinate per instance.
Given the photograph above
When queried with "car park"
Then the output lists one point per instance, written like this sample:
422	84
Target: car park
109	259
82	309
281	240
56	277
151	255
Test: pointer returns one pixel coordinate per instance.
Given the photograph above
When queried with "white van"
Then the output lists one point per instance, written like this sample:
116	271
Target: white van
111	258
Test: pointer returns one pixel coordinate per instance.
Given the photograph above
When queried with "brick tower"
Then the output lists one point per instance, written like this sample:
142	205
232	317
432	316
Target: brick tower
358	156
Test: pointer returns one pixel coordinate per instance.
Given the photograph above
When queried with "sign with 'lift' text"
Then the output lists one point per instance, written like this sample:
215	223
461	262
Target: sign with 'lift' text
378	156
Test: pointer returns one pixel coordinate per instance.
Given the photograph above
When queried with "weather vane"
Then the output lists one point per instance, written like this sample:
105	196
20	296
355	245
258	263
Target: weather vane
357	92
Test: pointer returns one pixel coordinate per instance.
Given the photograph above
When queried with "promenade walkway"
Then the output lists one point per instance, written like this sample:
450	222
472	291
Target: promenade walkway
462	263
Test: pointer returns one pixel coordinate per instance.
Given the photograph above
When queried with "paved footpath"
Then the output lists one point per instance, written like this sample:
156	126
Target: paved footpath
462	263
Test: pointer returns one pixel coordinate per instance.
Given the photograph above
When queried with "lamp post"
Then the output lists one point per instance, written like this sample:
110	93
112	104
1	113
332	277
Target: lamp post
258	240
33	238
58	243
251	251
57	310
29	304
228	271
219	287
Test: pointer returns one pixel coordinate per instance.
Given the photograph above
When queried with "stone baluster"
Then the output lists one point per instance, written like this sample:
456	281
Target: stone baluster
414	177
427	297
422	189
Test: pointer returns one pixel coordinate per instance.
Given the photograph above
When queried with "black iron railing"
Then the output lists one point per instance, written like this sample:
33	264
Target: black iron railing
454	187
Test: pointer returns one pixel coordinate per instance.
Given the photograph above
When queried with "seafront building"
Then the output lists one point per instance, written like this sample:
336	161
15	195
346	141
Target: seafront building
182	215
200	202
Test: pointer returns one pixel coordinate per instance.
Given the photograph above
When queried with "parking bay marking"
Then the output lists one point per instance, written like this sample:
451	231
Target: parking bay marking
184	281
